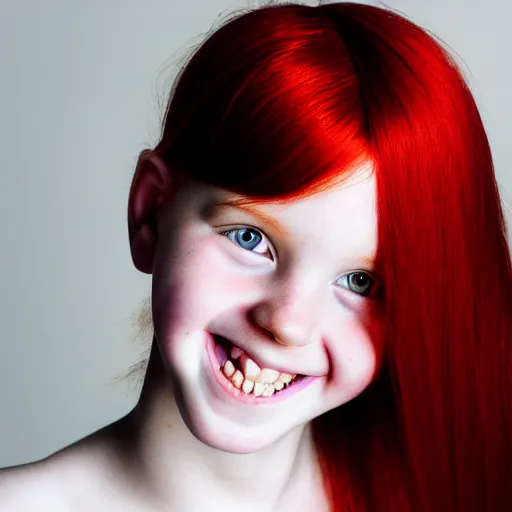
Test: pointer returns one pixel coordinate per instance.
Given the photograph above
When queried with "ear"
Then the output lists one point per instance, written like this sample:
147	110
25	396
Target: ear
152	185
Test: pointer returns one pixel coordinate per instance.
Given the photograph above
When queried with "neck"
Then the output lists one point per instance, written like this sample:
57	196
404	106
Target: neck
184	474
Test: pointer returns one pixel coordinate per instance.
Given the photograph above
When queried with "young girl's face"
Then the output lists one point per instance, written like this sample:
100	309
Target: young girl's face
267	292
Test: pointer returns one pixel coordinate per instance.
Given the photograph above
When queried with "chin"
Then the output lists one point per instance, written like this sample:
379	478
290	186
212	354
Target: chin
226	434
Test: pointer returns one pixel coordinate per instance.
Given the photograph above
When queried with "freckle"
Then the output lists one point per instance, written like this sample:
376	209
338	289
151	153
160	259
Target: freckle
169	425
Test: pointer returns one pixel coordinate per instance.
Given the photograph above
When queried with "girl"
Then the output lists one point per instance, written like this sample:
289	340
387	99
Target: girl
331	285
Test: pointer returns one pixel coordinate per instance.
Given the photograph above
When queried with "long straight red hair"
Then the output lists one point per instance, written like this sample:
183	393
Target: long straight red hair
277	102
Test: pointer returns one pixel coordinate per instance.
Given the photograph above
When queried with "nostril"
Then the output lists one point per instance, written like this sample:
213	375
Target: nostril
270	333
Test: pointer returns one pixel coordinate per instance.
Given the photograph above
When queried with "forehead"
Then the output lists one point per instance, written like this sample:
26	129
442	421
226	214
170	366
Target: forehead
346	211
354	196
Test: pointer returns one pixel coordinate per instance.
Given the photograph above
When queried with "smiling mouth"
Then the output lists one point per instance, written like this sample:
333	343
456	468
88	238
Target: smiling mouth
246	375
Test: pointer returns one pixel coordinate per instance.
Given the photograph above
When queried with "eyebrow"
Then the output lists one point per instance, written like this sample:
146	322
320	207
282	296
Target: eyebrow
369	261
247	206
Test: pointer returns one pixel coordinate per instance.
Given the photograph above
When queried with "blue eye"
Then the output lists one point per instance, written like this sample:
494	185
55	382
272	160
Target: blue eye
249	239
361	283
246	238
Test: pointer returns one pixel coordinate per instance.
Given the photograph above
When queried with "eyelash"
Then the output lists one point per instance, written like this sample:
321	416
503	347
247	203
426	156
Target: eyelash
346	277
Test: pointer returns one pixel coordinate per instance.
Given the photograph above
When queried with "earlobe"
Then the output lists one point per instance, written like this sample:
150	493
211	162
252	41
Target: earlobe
151	186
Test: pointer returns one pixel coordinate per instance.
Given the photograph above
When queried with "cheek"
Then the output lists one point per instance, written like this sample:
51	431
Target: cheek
193	285
356	357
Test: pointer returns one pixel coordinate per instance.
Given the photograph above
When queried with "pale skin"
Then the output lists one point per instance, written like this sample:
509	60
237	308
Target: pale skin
290	300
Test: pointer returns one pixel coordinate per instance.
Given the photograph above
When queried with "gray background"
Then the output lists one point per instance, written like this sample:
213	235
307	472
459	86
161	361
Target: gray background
82	90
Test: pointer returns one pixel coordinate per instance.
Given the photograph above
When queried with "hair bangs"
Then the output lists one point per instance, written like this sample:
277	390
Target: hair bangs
283	118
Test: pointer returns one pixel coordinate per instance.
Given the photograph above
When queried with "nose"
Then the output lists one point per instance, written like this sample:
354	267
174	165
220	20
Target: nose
291	318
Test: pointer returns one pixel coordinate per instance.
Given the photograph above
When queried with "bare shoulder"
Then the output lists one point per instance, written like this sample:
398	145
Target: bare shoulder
66	481
30	487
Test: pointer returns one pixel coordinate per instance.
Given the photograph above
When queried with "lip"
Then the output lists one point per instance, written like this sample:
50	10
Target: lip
233	393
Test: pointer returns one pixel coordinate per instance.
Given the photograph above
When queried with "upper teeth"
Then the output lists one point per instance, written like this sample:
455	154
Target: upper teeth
252	378
249	367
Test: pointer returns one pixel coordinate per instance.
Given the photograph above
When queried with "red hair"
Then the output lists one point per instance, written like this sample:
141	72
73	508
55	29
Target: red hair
280	100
